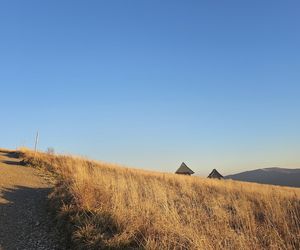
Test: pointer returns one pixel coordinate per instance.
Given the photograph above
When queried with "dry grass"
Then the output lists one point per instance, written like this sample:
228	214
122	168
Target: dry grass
104	206
4	150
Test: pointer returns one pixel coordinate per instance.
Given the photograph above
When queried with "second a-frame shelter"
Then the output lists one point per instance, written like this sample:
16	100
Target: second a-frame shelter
184	169
215	174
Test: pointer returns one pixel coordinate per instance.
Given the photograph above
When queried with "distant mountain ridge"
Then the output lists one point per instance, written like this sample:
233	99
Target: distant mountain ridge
273	176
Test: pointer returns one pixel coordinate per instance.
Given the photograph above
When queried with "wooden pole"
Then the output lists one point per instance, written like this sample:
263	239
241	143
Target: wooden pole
36	142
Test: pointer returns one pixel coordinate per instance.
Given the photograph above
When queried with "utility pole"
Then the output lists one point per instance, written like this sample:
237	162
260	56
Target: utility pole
36	142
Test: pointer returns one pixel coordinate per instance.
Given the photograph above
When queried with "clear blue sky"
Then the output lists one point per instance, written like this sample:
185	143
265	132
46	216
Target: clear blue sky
153	83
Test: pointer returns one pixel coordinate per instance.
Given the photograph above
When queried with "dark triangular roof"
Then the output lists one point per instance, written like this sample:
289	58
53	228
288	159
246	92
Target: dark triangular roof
184	169
215	174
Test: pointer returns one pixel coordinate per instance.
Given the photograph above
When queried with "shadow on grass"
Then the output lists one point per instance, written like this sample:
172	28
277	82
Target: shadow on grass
16	163
13	154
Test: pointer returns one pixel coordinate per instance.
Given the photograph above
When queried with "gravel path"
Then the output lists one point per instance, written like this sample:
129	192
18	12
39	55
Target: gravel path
24	220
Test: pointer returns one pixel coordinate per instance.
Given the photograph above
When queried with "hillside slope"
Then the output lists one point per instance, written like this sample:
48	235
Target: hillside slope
274	176
103	206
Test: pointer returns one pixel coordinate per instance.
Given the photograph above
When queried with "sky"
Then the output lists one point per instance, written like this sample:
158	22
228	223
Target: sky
150	84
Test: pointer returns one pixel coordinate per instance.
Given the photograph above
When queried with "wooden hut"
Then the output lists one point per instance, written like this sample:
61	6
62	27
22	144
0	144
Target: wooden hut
184	169
215	174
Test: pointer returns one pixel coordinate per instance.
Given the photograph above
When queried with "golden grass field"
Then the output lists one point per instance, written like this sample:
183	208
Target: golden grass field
104	206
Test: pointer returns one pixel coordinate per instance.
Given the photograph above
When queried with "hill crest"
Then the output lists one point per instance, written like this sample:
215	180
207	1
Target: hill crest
273	175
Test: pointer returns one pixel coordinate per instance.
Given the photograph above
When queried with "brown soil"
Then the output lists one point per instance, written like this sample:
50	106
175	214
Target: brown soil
25	222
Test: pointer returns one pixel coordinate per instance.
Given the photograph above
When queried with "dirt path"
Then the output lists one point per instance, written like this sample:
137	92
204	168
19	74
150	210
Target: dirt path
24	220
